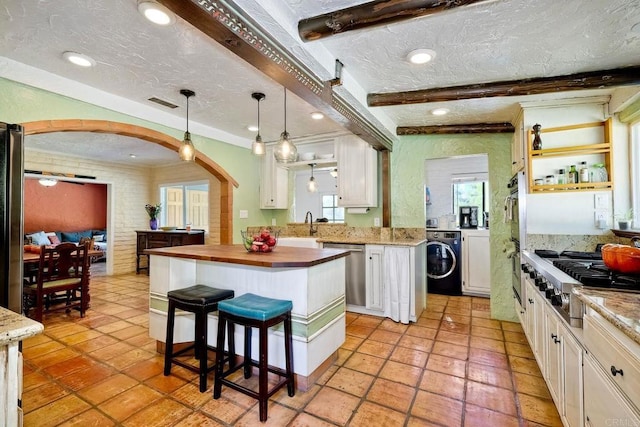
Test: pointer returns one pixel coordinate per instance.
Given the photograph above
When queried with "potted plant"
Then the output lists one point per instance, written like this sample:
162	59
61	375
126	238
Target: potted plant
153	211
625	219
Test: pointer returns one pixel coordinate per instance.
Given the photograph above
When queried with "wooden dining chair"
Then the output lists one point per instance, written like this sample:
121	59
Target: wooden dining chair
62	281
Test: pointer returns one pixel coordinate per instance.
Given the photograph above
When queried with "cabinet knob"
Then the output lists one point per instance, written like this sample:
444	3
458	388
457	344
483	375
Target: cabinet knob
615	371
554	336
556	341
530	301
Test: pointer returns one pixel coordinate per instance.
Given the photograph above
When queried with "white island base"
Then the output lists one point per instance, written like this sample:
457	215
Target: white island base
318	313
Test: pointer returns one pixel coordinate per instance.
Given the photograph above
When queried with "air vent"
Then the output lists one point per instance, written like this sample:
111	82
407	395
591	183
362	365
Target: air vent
163	102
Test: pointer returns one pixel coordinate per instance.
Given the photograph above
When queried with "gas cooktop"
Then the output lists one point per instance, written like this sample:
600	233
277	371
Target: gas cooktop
593	273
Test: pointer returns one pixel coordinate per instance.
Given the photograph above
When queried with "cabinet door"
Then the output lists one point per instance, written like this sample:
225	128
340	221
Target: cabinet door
539	328
571	413
374	277
476	261
553	355
274	185
517	146
604	405
357	173
530	313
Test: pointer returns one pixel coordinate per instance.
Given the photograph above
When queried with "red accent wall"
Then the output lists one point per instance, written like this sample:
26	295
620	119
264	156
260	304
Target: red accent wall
66	206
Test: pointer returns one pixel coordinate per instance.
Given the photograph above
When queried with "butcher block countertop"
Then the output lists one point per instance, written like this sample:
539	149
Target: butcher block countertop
620	308
282	256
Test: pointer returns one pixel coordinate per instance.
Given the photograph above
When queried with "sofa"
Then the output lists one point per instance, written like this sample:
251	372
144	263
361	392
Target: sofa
56	237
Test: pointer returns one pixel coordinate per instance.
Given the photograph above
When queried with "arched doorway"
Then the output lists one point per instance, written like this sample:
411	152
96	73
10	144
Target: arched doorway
227	183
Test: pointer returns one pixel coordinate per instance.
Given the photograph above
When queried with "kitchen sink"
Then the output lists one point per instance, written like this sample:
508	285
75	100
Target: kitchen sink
299	242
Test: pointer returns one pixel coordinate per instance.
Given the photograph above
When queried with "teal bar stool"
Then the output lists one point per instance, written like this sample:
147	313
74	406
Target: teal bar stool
200	300
253	311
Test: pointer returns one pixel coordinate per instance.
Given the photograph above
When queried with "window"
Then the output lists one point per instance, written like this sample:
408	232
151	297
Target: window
330	209
185	204
470	193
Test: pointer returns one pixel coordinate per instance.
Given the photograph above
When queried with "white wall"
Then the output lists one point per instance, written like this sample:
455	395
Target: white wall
574	212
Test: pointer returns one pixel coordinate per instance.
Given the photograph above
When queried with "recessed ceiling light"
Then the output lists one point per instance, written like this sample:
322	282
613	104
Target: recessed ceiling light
252	128
156	13
79	59
133	156
439	111
421	56
317	115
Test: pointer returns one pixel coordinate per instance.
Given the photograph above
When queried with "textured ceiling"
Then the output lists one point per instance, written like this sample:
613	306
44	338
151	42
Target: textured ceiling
484	42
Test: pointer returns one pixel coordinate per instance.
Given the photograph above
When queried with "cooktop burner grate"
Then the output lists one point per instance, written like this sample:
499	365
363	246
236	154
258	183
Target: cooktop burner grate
594	273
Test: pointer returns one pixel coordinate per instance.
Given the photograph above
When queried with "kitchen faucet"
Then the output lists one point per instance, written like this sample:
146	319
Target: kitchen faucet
308	217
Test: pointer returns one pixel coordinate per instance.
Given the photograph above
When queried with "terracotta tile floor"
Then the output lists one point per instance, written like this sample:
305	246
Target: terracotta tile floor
454	367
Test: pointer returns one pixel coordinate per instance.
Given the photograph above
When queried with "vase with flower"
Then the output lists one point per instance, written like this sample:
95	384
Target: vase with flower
153	211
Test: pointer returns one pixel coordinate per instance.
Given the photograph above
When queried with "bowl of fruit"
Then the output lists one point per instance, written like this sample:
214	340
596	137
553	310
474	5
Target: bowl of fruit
263	242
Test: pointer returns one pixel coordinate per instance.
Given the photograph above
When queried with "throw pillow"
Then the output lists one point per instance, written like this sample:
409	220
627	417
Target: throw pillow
39	238
98	237
54	240
70	237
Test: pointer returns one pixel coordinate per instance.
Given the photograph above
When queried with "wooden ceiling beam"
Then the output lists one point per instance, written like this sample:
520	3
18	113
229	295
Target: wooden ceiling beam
239	34
456	129
371	14
534	86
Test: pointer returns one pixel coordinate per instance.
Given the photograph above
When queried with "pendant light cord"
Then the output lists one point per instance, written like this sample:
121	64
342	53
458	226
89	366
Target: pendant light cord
285	110
187	114
258	118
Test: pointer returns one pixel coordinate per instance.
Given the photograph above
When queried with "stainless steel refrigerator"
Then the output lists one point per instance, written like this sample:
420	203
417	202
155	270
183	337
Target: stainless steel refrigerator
11	193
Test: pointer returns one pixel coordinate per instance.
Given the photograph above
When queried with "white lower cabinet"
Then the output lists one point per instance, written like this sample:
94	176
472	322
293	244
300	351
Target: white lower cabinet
603	403
374	259
558	353
395	282
476	263
571	379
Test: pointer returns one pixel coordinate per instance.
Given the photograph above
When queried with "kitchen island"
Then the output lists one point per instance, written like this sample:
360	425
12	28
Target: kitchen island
313	279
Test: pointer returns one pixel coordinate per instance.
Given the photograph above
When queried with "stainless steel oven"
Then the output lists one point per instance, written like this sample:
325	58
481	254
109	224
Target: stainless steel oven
515	215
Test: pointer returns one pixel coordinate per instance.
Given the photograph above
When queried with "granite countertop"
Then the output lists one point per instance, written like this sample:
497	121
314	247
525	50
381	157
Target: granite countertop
15	327
622	309
282	256
371	241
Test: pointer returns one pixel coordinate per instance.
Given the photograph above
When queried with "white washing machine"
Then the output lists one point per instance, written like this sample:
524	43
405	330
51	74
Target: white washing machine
443	262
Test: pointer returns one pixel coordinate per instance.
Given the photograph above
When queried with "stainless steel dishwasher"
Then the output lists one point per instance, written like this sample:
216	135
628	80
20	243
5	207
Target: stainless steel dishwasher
355	290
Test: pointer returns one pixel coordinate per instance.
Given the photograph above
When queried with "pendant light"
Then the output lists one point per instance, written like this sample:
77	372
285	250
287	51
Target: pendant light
187	151
48	182
257	147
285	151
312	186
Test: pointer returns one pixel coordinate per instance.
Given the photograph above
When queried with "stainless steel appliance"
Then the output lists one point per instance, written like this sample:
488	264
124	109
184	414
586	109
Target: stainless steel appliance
555	275
514	212
443	262
11	170
468	216
355	284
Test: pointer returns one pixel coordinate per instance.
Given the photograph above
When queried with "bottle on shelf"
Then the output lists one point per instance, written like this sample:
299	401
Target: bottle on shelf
584	172
599	173
572	176
562	178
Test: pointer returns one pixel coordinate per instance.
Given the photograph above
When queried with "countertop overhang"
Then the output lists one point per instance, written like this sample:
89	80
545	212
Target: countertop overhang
281	257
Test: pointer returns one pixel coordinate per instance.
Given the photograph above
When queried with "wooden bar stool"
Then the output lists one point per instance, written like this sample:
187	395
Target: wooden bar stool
253	311
200	300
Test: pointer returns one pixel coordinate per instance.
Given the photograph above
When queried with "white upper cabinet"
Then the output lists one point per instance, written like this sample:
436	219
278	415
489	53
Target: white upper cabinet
357	172
517	146
274	183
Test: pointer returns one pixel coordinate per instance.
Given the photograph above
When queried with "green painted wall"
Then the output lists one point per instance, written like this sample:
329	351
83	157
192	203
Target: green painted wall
407	196
21	103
